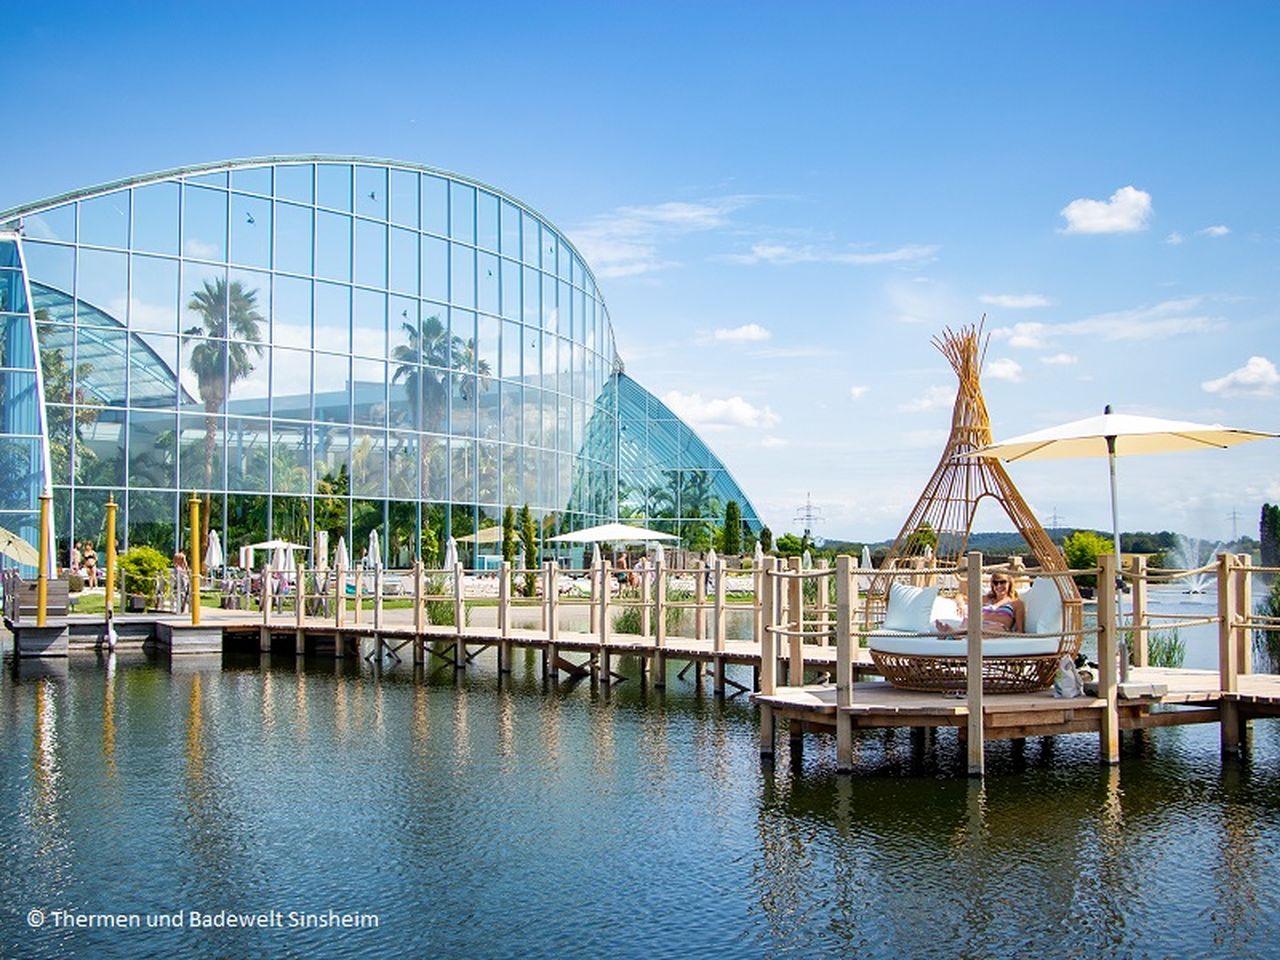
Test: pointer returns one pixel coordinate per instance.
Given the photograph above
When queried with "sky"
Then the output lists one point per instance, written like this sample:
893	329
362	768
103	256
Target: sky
784	203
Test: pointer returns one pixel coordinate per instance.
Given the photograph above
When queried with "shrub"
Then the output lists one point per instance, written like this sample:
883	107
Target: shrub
1166	649
138	569
1081	551
627	621
75	582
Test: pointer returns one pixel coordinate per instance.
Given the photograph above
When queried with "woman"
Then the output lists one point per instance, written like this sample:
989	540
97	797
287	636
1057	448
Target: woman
181	581
1002	611
89	558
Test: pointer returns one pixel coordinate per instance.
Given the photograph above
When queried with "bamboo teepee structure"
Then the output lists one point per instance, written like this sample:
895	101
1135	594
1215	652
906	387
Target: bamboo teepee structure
951	498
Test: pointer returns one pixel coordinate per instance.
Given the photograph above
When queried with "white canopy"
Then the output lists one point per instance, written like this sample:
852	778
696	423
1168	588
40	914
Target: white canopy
613	533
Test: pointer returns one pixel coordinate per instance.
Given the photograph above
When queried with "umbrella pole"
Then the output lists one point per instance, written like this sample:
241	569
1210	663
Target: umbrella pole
1121	646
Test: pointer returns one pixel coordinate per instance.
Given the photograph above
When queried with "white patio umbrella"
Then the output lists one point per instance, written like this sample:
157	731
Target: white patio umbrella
595	554
659	555
865	562
806	561
18	549
375	549
340	558
757	559
213	557
450	553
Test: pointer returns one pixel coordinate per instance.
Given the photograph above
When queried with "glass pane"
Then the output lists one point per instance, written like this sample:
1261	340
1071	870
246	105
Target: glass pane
511	411
204	300
485	346
290	384
332	454
369	323
435	269
333	186
294	182
333	246
486	220
404	261
249	297
370	253
153	449
53	266
248	451
291	316
155	218
532	354
487	408
531	312
510	289
204	223
487	472
332	377
462	212
435	397
462	468
511	352
368	464
246	522
435	205
291	520
487	282
293	238
201	454
510	468
100	459
402	466
250	231
462	410
333	317
530	239
151	520
153	295
153	366
462	290
252	180
249	389
435	467
290	458
370	393
101	285
104	221
371	192
405	386
58	223
404	198
510	230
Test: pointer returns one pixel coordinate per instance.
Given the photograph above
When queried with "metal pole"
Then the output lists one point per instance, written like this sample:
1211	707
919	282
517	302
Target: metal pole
194	565
42	575
111	553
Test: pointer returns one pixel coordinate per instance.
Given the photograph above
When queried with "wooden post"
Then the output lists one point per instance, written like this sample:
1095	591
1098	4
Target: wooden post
264	631
1141	642
459	618
700	598
299	611
602	621
42	574
340	598
844	662
973	666
596	582
821	606
757	603
660	628
1244	604
550	600
193	570
719	621
547	628
355	616
377	596
504	617
646	614
1228	666
110	599
1108	651
768	639
419	616
795	650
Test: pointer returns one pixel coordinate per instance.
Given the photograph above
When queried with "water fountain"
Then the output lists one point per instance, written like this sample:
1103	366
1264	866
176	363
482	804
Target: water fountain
1188	553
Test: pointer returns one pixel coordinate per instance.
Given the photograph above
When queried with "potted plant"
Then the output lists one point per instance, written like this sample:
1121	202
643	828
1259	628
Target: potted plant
138	569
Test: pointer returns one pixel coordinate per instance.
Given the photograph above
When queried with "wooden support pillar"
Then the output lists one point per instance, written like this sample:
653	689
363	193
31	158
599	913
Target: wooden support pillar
504	617
1108	666
603	621
821	606
1141	642
768	730
340	598
660	628
757	603
459	618
264	629
377	597
551	603
768	639
795	650
1228	664
1244	604
646	613
419	616
700	599
975	747
359	605
594	578
299	612
718	611
844	662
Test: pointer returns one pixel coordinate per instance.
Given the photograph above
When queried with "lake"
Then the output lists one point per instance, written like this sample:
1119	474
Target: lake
490	817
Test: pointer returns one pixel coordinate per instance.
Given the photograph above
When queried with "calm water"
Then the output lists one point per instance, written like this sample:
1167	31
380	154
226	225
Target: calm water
500	819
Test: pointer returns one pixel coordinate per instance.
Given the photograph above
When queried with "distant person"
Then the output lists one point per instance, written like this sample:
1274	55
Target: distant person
181	581
89	558
1002	611
75	558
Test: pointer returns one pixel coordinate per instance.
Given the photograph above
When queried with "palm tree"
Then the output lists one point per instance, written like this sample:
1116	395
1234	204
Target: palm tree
226	311
425	343
465	359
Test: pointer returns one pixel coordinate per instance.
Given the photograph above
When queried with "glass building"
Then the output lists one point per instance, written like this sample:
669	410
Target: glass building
323	344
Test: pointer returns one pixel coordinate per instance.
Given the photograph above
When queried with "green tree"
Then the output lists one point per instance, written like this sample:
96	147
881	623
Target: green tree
529	538
1269	535
228	333
509	534
789	545
766	540
732	540
1081	551
921	537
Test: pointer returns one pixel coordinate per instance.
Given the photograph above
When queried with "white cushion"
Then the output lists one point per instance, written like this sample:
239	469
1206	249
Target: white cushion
1043	607
939	647
910	608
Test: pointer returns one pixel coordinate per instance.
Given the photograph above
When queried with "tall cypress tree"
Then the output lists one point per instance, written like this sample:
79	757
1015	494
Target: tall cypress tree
732	542
529	536
1269	534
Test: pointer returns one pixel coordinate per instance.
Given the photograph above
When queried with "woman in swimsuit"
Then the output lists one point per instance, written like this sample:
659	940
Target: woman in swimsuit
1002	611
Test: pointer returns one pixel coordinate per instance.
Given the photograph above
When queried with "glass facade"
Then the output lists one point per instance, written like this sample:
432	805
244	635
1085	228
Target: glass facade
316	345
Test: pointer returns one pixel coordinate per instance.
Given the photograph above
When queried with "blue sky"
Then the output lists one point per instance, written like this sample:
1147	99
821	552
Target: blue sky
784	203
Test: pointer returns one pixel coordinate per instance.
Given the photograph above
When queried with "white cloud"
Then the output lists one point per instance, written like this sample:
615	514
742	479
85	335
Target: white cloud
1005	368
747	333
1126	212
858	391
773	442
1016	301
199	249
1173	239
1169	318
782	254
625	243
1060	359
1217	230
931	399
714	413
1258	378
